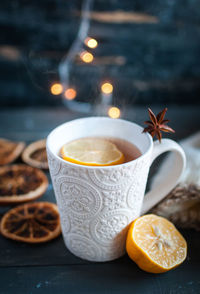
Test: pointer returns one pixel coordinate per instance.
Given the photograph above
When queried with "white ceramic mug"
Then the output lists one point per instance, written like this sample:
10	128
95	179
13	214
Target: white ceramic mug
97	204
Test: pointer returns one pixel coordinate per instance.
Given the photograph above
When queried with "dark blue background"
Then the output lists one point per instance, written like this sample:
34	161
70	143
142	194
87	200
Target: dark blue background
160	56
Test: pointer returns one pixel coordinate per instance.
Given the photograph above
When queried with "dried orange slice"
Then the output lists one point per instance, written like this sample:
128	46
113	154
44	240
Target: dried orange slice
35	154
21	183
155	244
10	150
32	222
92	151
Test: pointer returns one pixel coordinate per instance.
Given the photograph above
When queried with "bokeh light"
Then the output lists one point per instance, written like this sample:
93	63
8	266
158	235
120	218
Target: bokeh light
56	89
114	112
91	43
107	88
70	94
86	56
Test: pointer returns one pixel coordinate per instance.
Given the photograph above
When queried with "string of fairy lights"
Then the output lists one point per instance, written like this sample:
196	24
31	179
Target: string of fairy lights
86	56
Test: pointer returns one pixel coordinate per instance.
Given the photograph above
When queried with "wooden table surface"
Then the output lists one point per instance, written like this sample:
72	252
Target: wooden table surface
51	268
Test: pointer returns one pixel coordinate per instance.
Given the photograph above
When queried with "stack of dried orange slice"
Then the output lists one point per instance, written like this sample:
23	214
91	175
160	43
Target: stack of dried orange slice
10	150
19	183
32	222
35	154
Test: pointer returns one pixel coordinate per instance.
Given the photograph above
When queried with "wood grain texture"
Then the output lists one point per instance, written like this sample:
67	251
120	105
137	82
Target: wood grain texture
35	123
122	17
107	278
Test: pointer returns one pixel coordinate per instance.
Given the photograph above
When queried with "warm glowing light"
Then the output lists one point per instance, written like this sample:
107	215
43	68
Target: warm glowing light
91	43
87	56
70	94
107	88
114	112
56	89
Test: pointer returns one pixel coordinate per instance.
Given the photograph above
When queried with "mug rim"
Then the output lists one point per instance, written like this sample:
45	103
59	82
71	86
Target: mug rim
103	166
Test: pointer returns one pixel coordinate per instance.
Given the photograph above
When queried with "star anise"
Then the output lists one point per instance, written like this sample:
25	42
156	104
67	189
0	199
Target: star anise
157	124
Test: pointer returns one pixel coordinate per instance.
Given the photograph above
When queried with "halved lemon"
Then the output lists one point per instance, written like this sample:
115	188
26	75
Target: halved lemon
92	151
155	244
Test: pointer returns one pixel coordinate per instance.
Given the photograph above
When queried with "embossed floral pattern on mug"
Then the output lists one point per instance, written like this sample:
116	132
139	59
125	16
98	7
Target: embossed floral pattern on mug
79	198
96	207
109	226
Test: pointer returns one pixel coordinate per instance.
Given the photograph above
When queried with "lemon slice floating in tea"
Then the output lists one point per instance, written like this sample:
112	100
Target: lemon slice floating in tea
92	151
155	244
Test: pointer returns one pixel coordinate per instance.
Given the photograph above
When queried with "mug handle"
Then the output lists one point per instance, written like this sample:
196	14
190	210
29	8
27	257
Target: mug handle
169	175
